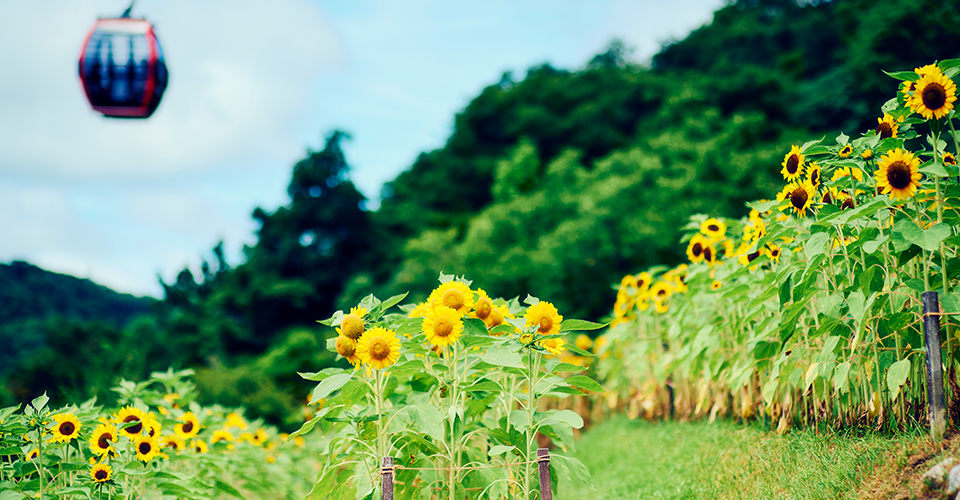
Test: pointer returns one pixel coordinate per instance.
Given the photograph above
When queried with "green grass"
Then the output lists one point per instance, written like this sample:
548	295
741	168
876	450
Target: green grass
637	459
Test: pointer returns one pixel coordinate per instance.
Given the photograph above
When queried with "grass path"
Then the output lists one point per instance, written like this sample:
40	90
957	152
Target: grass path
636	459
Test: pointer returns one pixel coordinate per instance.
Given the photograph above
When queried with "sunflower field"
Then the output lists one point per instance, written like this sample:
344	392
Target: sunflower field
159	444
808	310
455	389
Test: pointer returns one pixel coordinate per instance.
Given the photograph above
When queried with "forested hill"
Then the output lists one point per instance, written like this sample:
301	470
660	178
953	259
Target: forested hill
31	293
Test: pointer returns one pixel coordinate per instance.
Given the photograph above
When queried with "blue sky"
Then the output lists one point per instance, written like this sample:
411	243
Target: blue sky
253	85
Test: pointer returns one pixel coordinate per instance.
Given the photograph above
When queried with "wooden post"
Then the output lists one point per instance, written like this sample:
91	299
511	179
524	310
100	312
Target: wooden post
543	468
386	474
931	337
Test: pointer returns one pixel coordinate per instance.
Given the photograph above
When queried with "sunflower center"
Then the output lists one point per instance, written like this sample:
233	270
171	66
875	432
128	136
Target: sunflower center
949	160
546	323
346	347
707	254
898	175
352	326
67	428
798	198
697	249
187	427
133	429
100	475
775	253
144	448
934	96
827	197
847	203
453	299
752	256
443	327
793	164
104	441
379	349
713	228
483	310
815	177
884	130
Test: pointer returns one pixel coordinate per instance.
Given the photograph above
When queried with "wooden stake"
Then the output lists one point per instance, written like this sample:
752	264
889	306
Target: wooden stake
931	336
543	464
386	473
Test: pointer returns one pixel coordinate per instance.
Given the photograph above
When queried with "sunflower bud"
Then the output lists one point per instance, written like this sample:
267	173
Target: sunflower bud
346	346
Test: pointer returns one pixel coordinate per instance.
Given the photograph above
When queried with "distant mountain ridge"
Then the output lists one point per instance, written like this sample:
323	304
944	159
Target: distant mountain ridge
29	293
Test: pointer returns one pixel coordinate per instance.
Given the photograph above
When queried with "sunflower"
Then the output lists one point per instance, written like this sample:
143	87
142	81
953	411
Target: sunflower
454	295
583	342
379	347
800	196
866	154
714	228
442	326
101	473
351	326
147	448
150	426
235	420
66	429
792	164
887	126
661	306
545	316
200	446
221	435
172	441
897	174
103	438
845	151
497	317
526	339
773	252
347	348
715	285
627	282
643	281
132	415
755	228
933	95
34	453
419	310
660	290
697	247
190	426
949	159
847	172
814	175
745	256
483	306
553	346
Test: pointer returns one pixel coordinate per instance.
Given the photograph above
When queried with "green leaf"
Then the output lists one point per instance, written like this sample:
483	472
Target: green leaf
485	386
584	382
565	367
474	327
571	468
40	402
762	206
840	377
576	350
896	376
531	300
872	246
932	168
816	244
503	356
579	324
828	346
569	417
902	75
226	488
950	302
310	424
328	385
392	301
499	449
929	239
353	391
426	419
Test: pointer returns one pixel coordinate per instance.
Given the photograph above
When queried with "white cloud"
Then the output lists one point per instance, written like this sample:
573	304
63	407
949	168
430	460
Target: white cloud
241	74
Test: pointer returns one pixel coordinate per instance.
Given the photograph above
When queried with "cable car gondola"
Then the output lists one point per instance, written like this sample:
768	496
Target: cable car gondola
122	68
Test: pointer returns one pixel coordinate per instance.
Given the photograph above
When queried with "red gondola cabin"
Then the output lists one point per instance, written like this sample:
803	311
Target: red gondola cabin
122	68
